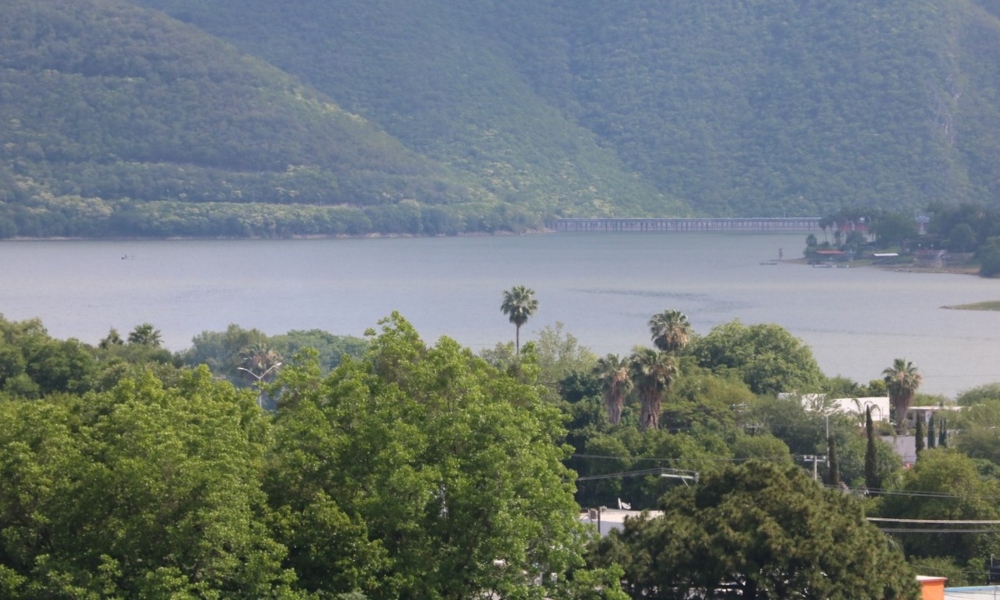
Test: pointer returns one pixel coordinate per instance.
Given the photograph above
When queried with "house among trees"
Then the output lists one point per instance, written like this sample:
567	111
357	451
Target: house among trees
848	406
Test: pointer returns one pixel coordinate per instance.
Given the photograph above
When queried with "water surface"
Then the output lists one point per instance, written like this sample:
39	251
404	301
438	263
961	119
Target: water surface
602	287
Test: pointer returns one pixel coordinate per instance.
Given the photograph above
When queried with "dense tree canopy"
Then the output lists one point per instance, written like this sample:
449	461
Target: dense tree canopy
390	468
768	358
758	531
416	472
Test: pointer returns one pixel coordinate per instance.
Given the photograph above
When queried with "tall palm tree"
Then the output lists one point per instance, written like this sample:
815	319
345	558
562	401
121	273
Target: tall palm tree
653	372
671	330
616	382
901	380
519	304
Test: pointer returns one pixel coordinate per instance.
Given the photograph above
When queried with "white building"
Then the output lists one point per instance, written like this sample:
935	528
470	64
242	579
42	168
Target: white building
606	519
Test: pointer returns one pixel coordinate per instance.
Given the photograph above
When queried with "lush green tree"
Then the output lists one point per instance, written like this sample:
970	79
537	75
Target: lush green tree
901	380
139	492
112	339
931	433
894	229
787	419
449	470
962	238
653	373
854	241
760	446
559	354
766	356
222	351
989	262
702	400
33	364
945	485
519	304
980	393
757	531
671	330
958	575
615	376
873	480
331	348
980	427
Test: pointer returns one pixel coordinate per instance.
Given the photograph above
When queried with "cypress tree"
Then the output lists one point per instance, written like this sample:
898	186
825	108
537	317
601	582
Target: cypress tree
931	437
831	458
943	434
871	465
918	438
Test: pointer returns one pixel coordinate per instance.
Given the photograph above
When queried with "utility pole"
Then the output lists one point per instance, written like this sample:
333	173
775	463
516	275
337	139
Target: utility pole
816	459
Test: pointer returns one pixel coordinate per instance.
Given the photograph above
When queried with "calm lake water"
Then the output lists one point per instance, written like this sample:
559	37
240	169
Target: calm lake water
602	287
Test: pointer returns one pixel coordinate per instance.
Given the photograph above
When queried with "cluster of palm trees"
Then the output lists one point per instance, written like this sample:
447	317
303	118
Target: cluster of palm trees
650	372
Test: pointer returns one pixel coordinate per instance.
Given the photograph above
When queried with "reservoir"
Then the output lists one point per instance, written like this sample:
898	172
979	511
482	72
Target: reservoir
603	287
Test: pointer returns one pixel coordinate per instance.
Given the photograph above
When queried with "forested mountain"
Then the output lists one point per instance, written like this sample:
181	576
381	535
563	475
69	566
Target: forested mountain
440	116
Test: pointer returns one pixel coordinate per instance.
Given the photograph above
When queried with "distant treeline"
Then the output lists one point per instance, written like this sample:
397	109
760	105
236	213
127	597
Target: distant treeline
94	218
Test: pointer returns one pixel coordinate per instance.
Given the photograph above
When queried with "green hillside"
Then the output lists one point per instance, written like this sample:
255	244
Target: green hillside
433	74
120	120
770	108
204	117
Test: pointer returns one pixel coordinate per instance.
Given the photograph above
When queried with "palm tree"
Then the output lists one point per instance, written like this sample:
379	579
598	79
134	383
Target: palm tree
671	330
519	304
616	382
259	359
145	335
901	380
653	372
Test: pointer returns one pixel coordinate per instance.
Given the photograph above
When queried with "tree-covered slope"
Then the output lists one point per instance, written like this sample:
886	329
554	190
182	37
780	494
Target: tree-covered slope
433	74
779	107
185	117
106	101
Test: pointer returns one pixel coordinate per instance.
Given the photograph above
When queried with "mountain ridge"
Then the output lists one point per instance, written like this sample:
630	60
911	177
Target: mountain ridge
440	116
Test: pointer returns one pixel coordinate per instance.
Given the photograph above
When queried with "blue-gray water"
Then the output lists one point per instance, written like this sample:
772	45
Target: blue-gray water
603	287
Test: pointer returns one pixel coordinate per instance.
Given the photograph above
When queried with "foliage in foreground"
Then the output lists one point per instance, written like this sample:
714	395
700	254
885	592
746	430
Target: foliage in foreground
417	472
758	531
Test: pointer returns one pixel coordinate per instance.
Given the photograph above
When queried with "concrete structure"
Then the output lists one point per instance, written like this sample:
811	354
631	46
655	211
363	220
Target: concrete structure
924	413
677	225
878	404
851	406
905	446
